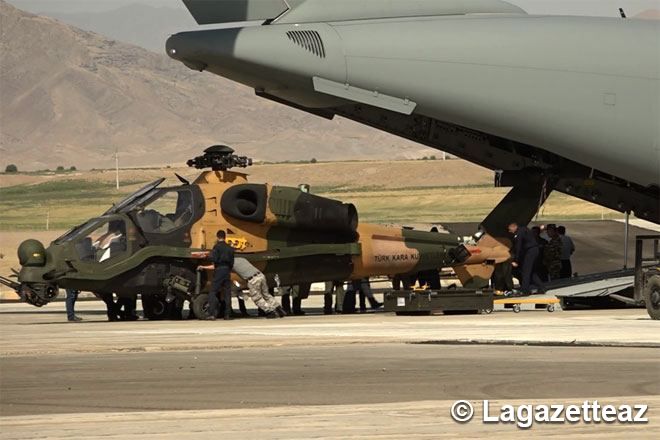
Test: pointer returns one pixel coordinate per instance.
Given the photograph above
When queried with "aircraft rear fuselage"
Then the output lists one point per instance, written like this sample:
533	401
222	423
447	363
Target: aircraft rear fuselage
576	98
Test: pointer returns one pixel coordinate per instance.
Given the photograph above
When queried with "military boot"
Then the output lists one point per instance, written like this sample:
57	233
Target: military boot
286	303
327	304
363	303
242	308
374	303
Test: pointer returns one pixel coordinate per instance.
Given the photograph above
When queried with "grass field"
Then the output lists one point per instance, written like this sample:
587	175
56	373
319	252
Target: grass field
415	193
56	204
407	192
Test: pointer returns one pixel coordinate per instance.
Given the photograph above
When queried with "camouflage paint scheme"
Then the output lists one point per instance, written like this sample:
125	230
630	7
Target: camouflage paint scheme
299	237
298	255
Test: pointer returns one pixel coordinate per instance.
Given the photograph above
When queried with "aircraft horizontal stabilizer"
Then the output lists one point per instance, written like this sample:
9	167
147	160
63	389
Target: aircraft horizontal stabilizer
229	11
308	11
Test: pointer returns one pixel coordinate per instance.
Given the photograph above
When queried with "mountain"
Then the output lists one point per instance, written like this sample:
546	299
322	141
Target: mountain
649	14
71	97
140	24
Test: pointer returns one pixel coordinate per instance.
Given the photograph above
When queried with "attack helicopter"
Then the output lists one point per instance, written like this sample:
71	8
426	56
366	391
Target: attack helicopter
152	242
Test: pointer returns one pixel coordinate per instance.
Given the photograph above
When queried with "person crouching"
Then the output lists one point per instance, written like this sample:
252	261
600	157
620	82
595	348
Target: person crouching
258	288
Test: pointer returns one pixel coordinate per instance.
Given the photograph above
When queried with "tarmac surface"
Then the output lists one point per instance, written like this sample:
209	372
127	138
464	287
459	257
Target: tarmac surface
345	376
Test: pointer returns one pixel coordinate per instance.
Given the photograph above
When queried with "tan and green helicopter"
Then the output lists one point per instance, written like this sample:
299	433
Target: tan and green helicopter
151	242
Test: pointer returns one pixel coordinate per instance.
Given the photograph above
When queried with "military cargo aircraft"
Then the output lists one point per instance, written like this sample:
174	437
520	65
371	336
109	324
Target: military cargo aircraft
152	242
550	102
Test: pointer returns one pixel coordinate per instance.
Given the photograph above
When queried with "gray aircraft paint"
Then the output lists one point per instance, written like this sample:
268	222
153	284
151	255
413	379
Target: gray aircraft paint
583	88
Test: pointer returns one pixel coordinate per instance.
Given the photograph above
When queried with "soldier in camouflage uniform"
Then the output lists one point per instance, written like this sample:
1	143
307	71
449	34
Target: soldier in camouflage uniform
552	253
258	288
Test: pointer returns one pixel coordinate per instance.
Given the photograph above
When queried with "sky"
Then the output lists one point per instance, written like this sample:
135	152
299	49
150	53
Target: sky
560	7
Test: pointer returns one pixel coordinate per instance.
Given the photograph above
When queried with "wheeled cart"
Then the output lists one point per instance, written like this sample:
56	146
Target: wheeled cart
549	303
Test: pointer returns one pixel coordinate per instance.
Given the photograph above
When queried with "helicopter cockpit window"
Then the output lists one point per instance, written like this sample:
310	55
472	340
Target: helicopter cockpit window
103	243
169	211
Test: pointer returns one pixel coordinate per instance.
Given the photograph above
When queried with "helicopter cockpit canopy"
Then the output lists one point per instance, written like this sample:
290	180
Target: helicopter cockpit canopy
166	210
157	212
143	193
106	240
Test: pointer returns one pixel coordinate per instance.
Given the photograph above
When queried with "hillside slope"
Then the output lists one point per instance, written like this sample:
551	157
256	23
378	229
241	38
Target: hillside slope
71	97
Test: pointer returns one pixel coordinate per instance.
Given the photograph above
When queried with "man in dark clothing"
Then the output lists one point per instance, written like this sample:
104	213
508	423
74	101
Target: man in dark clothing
431	277
364	288
111	306
540	268
567	250
129	306
552	253
502	279
222	257
525	254
71	297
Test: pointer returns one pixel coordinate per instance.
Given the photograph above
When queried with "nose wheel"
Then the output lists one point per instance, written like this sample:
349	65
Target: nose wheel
200	306
156	307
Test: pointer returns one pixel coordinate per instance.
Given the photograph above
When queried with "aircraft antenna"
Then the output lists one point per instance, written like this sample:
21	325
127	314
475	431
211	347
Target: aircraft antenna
117	167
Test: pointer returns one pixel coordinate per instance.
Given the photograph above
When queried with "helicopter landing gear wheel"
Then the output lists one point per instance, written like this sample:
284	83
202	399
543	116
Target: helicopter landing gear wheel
200	306
155	307
652	296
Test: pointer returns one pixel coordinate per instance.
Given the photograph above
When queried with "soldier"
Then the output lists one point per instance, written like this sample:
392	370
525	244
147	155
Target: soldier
431	277
286	299
348	305
541	268
502	279
295	294
336	288
129	304
71	297
222	257
567	250
364	287
526	251
111	306
258	288
299	292
552	253
242	308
